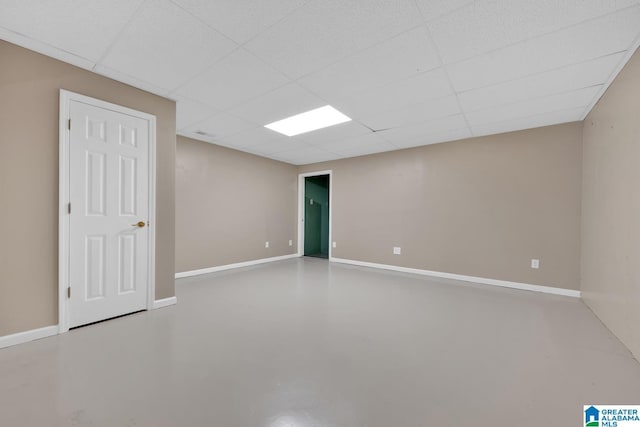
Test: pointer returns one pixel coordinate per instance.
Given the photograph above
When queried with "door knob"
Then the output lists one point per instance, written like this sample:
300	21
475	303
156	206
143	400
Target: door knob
139	224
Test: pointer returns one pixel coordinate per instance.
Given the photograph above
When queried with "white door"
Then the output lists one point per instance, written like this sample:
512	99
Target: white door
109	205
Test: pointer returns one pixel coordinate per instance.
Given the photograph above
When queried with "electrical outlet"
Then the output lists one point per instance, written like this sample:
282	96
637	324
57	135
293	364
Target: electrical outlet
290	242
535	263
334	244
266	244
397	250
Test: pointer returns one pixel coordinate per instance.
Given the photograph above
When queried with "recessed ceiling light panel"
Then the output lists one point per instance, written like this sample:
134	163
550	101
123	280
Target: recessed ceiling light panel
311	120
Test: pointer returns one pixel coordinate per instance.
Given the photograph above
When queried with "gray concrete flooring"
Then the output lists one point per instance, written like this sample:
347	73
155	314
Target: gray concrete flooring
306	343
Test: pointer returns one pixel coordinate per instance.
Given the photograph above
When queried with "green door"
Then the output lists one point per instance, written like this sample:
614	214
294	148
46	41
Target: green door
316	216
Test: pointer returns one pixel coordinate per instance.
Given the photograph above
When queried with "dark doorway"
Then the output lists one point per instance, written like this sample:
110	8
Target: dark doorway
316	216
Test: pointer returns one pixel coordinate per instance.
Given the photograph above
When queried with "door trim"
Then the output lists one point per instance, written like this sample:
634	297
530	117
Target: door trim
66	97
301	191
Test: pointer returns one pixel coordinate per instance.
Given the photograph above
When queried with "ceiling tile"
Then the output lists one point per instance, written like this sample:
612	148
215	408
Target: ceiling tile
240	20
189	112
562	101
335	133
572	77
400	57
220	125
237	78
304	156
373	148
590	40
130	80
166	46
414	90
278	104
432	9
435	138
260	140
351	142
415	113
538	120
322	32
85	30
483	26
359	145
445	129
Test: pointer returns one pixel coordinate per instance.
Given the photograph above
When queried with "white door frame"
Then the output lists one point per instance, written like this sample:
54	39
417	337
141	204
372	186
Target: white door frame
301	205
66	97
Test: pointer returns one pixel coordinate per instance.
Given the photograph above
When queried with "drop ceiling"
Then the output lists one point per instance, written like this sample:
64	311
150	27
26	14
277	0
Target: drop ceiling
408	72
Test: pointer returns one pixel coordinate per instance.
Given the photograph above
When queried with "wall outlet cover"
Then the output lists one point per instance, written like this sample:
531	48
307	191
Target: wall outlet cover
290	242
266	244
397	250
535	263
334	244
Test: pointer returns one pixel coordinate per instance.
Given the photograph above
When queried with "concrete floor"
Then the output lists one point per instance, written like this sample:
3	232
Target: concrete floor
305	343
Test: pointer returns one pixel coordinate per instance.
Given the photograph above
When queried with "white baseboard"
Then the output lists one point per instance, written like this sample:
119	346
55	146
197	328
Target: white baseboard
165	302
26	336
236	265
481	280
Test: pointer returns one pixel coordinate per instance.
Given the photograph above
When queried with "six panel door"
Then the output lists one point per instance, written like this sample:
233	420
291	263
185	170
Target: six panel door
109	194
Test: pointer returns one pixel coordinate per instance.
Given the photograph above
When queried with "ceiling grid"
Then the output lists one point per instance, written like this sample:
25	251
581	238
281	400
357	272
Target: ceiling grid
407	72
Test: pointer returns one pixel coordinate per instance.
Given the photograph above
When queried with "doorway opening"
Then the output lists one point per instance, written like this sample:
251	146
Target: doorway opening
315	215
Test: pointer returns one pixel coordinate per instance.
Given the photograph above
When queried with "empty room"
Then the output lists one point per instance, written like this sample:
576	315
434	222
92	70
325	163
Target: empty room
319	213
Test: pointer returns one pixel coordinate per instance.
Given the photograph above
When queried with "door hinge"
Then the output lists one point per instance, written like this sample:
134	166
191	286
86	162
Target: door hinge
69	208
69	292
69	124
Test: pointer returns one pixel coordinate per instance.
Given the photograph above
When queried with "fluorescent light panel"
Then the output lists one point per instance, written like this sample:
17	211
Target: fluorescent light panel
311	120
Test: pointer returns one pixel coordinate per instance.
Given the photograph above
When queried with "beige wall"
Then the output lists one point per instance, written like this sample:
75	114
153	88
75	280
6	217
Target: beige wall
29	94
481	207
611	207
228	204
